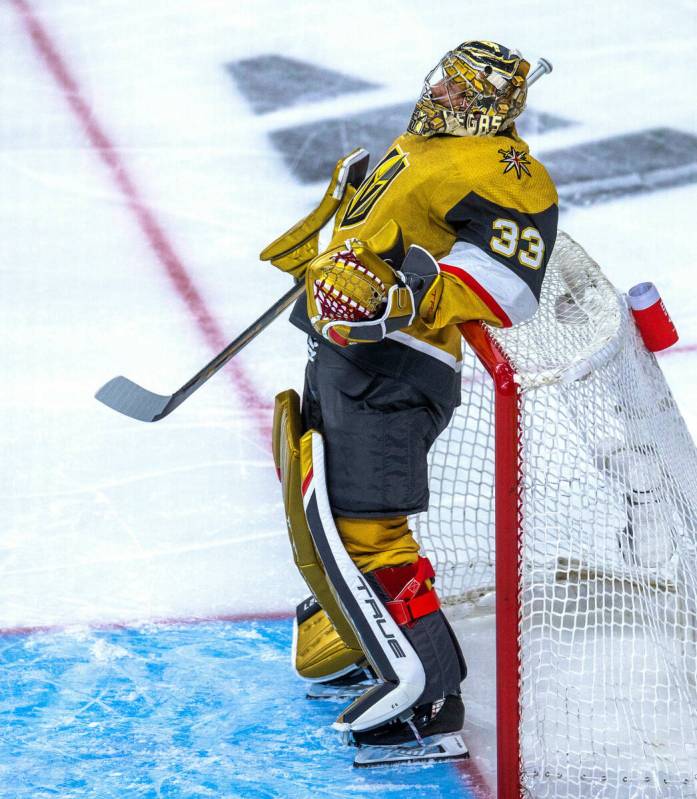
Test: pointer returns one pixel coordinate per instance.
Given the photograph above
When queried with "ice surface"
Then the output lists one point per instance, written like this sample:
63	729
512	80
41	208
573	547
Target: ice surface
182	712
107	519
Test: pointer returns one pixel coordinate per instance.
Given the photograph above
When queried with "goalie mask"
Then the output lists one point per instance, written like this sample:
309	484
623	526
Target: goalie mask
477	89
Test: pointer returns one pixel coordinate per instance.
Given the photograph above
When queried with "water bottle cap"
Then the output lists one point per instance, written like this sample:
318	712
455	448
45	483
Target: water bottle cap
643	296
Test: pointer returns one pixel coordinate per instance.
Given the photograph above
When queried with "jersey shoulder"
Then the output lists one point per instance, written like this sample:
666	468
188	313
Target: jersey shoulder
501	170
496	196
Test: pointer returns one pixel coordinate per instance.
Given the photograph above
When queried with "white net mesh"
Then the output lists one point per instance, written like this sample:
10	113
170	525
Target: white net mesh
608	630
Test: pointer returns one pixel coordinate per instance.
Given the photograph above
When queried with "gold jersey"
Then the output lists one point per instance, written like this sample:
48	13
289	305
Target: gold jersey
485	209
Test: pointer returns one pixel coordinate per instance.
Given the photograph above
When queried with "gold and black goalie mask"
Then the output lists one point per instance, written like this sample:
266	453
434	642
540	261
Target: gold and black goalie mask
477	89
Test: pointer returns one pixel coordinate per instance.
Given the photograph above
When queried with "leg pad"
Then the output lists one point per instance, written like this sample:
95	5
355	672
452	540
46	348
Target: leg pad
342	646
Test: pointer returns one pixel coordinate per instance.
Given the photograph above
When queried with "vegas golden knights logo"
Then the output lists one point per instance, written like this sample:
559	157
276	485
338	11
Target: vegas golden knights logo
374	186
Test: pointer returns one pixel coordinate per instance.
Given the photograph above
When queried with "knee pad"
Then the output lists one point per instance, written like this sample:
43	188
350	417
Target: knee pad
325	643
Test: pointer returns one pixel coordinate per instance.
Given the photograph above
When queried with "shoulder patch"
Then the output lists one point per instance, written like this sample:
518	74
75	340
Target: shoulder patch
374	186
515	160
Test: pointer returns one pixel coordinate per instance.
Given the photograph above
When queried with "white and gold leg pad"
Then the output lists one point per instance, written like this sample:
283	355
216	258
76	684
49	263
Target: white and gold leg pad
399	669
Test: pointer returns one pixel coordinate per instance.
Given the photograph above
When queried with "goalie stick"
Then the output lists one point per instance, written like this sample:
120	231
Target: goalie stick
127	397
123	395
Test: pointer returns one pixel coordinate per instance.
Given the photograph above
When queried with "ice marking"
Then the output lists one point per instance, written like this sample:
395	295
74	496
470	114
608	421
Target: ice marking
157	710
310	149
269	82
621	165
178	273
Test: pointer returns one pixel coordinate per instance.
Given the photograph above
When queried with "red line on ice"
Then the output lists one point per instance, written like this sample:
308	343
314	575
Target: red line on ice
474	778
134	623
153	231
679	349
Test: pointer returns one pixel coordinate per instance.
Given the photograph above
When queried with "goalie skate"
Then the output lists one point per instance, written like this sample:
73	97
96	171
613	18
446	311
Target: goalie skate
437	747
433	732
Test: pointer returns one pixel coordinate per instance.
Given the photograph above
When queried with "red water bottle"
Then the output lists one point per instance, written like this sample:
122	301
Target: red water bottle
656	327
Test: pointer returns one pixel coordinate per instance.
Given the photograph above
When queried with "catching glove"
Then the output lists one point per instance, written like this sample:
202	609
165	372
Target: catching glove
355	297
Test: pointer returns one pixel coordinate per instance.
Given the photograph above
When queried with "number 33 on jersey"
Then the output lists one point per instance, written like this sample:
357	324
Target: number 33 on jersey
482	206
507	242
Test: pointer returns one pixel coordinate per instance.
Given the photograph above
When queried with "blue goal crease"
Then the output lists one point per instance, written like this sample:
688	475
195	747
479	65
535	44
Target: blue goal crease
179	711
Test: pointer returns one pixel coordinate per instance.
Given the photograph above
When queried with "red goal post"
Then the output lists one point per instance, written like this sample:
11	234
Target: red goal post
567	481
507	540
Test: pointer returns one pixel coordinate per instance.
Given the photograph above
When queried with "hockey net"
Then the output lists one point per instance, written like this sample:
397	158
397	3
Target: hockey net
583	471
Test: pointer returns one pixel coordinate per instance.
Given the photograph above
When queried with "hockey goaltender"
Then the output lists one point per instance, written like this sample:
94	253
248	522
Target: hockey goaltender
456	222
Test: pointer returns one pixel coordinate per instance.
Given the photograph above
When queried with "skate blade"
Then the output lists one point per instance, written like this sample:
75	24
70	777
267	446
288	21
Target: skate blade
338	692
437	747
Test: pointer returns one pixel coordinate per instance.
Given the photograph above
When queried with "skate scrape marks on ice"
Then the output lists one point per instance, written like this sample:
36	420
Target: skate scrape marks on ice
200	710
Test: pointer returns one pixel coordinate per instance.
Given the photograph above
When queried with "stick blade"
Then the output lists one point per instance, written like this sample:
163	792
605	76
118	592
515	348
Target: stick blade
130	399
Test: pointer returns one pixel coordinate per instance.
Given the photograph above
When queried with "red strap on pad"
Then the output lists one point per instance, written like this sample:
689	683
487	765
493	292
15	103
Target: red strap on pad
408	612
411	597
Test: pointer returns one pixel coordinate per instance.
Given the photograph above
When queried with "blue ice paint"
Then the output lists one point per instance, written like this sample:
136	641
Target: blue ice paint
179	712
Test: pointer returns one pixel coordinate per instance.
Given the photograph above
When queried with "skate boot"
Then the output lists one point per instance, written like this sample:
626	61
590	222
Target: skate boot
432	733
